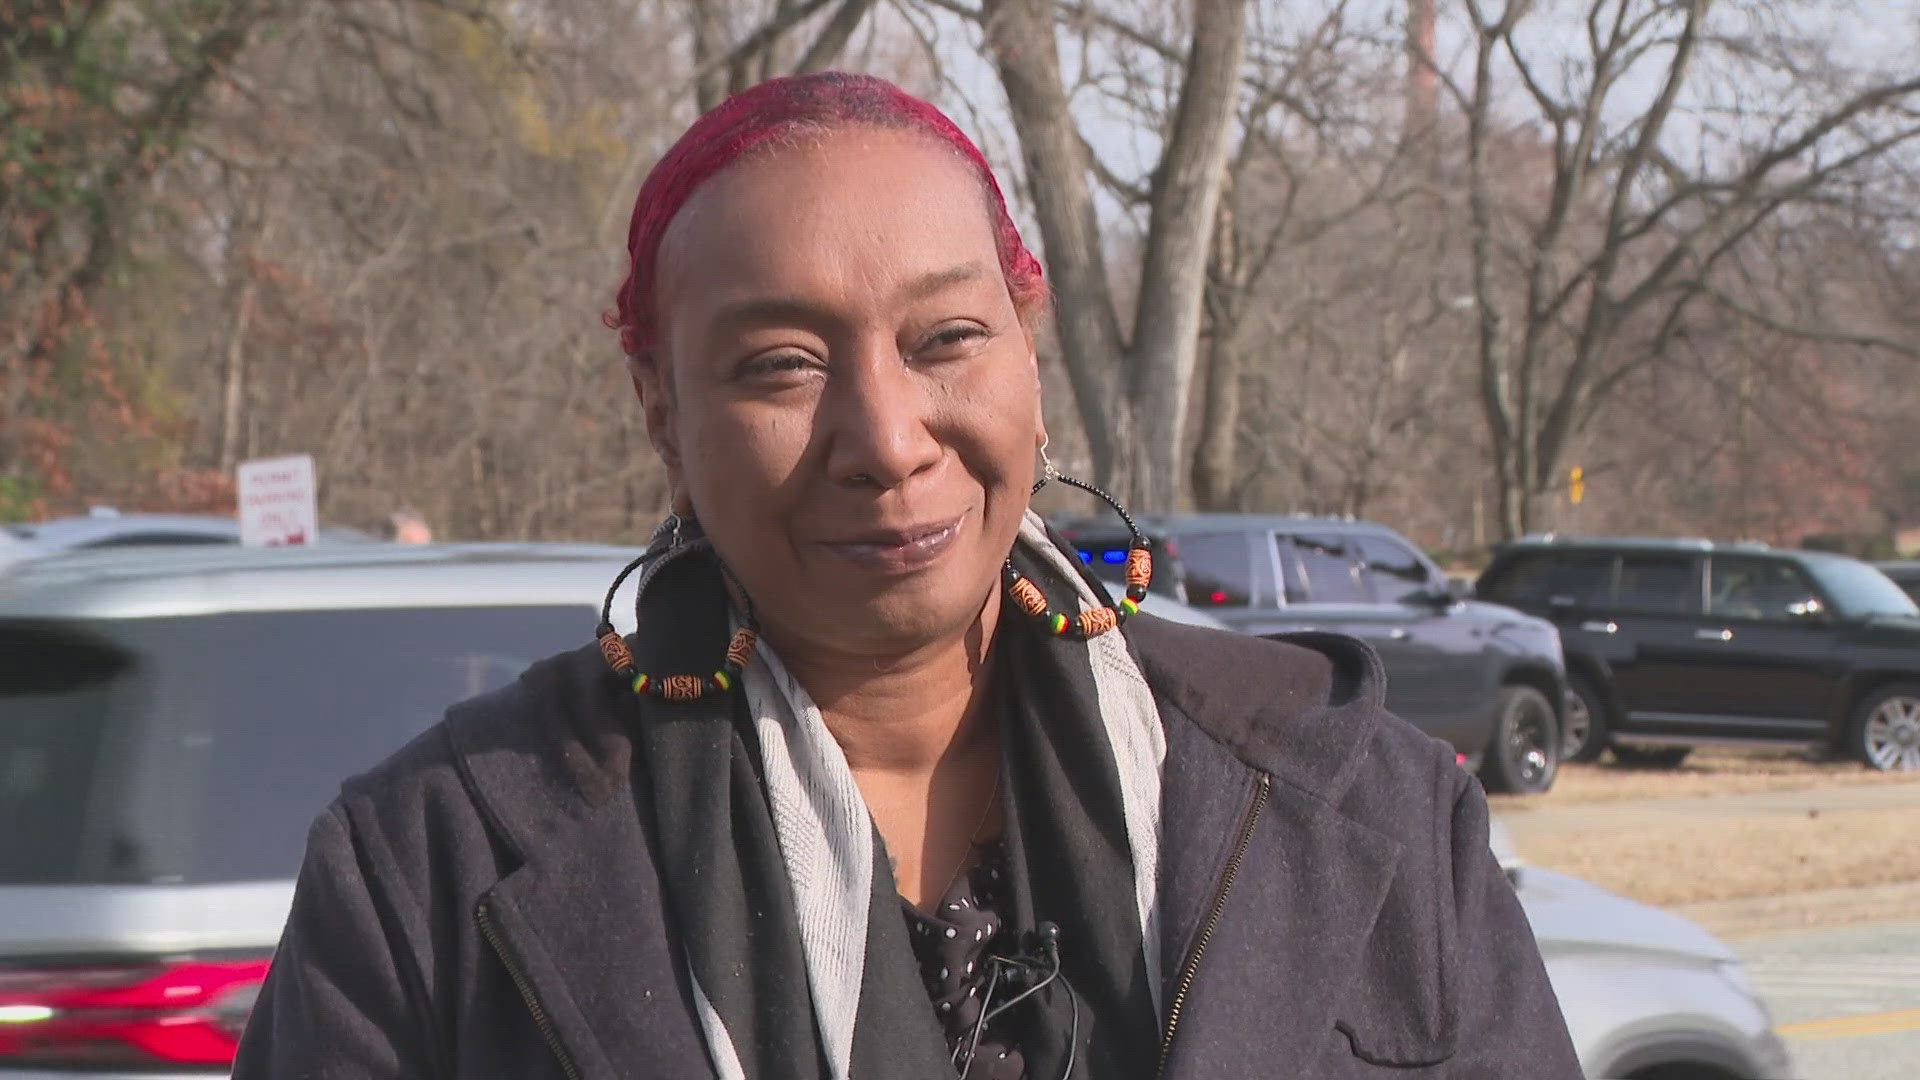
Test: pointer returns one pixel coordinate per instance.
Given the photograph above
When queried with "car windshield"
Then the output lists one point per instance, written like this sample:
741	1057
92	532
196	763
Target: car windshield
1860	590
200	749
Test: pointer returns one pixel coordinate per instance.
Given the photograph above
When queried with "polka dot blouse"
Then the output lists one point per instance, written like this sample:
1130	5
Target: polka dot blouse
952	943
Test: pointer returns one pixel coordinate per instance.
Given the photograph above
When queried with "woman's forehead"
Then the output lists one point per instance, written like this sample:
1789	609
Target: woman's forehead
850	211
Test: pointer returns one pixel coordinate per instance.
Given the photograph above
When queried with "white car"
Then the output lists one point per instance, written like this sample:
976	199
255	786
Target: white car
1646	994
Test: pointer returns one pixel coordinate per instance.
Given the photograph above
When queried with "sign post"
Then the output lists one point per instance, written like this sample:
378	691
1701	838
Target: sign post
278	505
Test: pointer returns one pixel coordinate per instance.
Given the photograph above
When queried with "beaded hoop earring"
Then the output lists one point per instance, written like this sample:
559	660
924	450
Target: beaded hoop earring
674	687
1028	598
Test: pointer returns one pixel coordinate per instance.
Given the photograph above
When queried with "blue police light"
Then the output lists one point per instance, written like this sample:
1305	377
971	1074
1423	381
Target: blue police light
1116	556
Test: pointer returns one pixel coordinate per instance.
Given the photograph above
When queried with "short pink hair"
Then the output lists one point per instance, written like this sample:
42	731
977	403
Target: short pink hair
782	109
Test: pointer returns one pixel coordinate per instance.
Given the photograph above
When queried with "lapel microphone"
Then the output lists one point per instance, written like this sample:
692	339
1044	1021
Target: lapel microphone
1031	965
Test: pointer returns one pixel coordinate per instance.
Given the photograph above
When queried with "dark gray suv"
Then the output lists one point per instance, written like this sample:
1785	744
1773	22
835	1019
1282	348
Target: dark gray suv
1487	679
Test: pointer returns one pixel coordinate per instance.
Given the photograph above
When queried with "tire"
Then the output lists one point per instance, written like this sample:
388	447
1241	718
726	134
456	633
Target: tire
1651	757
1523	756
1586	725
1885	731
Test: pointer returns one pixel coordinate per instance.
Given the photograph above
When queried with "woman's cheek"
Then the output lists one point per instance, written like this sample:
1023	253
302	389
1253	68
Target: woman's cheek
753	453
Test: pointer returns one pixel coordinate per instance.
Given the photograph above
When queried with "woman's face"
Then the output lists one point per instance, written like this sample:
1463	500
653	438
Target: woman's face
844	393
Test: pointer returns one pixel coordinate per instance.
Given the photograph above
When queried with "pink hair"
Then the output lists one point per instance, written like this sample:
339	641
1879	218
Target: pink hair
781	109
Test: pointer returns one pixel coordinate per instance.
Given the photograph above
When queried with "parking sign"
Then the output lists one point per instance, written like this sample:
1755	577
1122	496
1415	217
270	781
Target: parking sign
277	502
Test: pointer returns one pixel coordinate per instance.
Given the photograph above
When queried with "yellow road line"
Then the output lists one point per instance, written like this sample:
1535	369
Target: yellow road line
1849	1027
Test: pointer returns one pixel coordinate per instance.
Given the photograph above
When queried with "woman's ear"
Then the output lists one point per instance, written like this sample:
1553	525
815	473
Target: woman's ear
655	392
1039	405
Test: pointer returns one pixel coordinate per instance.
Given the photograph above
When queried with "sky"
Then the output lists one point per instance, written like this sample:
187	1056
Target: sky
1725	103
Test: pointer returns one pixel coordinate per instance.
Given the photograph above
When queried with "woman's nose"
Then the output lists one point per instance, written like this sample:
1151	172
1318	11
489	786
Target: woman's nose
878	417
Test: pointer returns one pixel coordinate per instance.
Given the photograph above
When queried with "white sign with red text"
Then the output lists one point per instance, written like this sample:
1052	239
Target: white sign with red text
278	504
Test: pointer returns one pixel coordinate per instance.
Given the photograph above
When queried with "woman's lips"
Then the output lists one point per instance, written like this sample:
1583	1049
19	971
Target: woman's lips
899	551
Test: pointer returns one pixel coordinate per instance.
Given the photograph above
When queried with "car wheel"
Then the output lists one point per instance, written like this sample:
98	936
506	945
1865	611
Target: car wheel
1586	724
1651	757
1524	753
1886	729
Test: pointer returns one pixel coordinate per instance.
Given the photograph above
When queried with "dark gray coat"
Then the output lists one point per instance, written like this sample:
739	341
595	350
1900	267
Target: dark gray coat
486	903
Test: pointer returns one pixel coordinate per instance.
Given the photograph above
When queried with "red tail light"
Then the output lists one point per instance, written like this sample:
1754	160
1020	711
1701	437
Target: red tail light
162	1014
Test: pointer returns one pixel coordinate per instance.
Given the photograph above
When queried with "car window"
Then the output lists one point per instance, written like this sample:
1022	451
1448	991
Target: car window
1218	568
1329	568
1910	584
1861	591
1657	583
1566	578
1393	570
54	693
1750	588
200	749
162	539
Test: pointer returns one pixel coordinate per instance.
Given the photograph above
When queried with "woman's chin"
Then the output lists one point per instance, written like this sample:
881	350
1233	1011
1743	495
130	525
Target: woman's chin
908	614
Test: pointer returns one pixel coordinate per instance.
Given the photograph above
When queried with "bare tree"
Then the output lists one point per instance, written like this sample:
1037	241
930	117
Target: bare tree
96	99
1132	381
727	59
1309	162
1645	203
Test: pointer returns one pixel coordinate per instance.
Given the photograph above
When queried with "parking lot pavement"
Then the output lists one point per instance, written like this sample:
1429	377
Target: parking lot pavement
1847	1000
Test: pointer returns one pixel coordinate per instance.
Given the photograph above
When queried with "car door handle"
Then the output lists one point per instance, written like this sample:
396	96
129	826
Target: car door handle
1714	635
1399	634
1600	627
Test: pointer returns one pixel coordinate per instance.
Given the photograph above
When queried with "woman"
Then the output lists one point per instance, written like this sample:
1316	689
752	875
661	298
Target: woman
878	789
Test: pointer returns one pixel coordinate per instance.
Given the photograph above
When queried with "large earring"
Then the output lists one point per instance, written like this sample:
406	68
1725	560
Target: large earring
619	657
1048	472
1027	596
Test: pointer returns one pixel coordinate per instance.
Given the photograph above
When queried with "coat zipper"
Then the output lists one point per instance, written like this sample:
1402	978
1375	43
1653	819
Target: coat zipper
540	1018
1191	968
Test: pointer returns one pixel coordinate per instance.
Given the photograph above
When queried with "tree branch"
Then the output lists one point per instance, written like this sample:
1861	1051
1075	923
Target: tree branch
1821	335
833	37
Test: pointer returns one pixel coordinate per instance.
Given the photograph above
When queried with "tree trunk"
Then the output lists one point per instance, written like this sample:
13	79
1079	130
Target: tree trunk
710	43
1215	473
1021	41
1505	443
233	392
826	49
1186	199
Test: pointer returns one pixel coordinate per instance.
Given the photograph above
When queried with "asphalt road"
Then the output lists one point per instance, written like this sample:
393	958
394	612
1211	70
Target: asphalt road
1847	1000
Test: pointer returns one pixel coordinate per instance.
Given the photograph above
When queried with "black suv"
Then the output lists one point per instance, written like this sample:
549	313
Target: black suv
1671	643
1487	679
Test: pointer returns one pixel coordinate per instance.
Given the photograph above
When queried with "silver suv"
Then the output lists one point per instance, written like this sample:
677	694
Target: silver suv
171	720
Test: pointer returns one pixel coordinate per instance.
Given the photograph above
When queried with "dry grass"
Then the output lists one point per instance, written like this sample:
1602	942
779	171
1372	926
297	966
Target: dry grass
1708	832
1730	860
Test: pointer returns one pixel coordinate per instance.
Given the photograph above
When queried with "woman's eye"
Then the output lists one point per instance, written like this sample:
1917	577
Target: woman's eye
778	363
954	339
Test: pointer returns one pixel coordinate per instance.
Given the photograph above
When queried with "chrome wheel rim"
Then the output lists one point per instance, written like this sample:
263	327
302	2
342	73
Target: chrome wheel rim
1892	737
1578	727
